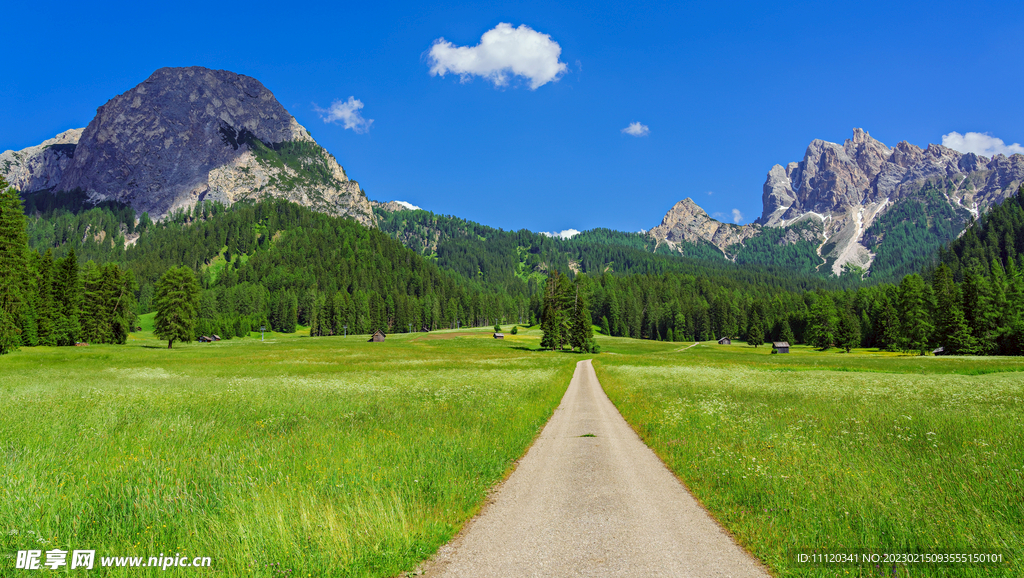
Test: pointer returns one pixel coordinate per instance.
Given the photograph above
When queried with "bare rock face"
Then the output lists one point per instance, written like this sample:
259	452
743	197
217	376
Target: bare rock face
688	222
191	134
848	185
833	179
42	166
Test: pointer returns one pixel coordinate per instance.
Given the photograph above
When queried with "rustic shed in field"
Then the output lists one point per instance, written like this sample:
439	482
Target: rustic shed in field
780	347
939	351
499	336
725	341
377	337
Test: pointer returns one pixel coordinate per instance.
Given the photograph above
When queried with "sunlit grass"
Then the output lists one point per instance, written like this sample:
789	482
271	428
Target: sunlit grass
838	451
289	457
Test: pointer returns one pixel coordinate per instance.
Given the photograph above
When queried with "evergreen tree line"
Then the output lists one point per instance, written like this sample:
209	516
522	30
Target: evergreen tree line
281	265
44	301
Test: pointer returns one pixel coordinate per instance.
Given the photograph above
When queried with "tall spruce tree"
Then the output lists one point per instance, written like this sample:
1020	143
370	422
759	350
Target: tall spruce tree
823	323
848	330
756	329
786	332
177	305
581	333
45	307
915	314
551	322
13	267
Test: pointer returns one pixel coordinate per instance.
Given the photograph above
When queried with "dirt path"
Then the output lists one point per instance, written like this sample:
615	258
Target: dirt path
592	506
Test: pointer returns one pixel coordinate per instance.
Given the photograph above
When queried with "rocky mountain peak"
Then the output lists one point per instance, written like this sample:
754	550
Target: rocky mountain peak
686	221
848	186
186	135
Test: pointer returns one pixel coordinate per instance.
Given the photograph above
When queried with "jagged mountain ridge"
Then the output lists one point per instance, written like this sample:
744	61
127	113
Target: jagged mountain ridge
844	189
186	135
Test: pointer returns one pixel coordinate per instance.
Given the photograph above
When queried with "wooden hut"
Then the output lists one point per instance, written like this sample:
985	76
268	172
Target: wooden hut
725	341
377	337
499	336
780	347
939	351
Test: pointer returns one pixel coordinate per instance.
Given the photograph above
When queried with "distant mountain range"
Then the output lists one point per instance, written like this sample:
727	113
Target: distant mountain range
858	203
187	135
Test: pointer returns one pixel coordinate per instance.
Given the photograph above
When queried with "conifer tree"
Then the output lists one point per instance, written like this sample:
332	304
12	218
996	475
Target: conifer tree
177	305
551	315
914	314
67	297
13	265
755	332
45	309
581	332
786	332
824	322
848	330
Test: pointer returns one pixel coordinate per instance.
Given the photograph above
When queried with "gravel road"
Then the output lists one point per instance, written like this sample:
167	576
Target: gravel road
591	506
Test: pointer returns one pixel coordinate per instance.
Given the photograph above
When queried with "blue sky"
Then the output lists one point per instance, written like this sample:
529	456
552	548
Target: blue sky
726	90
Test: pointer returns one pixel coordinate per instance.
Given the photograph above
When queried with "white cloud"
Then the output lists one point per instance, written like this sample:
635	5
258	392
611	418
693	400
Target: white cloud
637	129
566	234
503	52
409	206
980	144
711	193
346	112
737	216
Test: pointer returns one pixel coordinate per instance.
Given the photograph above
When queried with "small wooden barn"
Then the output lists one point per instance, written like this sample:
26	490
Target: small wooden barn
939	351
780	347
725	341
377	337
499	336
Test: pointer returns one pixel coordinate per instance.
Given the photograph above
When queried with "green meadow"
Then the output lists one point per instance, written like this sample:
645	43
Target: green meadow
293	456
816	451
331	456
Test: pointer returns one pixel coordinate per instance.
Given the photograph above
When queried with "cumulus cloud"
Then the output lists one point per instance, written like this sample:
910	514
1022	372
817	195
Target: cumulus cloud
503	52
637	129
566	234
347	113
409	206
737	216
980	144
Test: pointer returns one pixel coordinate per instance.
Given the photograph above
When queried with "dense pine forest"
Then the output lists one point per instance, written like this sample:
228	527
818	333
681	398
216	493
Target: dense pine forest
75	272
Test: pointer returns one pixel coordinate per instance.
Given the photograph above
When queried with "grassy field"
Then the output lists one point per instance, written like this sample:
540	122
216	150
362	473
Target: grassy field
289	457
833	451
338	457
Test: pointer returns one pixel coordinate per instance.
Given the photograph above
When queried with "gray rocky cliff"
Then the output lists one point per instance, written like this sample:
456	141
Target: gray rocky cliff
687	222
186	135
42	166
847	186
